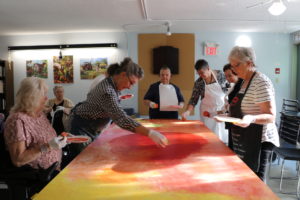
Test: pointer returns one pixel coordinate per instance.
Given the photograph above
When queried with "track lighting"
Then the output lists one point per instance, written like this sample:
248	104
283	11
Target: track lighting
60	57
168	33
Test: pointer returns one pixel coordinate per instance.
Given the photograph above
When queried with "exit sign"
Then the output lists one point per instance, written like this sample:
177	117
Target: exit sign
210	49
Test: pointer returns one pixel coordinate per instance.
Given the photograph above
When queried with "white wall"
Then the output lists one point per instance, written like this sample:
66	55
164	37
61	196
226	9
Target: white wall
272	50
78	90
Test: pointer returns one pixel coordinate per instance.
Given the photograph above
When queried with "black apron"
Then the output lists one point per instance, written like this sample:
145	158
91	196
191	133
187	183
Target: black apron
246	141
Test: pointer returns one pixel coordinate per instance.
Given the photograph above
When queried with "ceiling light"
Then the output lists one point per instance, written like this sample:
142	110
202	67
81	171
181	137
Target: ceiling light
277	8
243	41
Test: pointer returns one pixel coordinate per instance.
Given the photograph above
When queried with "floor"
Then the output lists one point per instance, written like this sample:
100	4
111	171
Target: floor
288	185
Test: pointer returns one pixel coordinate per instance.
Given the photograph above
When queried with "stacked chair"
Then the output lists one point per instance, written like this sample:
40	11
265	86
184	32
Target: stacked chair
289	131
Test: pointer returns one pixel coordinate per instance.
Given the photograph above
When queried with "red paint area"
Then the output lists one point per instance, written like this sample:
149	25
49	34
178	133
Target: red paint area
126	96
77	139
206	114
184	165
138	153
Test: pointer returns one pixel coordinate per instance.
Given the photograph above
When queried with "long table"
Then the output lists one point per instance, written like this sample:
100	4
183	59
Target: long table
120	165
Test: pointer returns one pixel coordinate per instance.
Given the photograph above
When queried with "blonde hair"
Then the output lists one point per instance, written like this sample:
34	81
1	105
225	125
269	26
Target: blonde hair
243	54
31	91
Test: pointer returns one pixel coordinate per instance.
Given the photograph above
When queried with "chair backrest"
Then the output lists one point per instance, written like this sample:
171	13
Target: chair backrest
5	161
290	105
289	129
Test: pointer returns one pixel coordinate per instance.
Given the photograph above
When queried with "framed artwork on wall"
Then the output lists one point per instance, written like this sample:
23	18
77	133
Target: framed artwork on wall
37	68
90	68
63	69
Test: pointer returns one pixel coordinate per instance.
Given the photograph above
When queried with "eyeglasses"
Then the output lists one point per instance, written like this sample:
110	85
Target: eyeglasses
237	65
130	81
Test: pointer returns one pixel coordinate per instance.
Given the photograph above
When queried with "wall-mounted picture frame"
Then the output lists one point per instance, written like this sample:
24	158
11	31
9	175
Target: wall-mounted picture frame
63	69
37	68
92	67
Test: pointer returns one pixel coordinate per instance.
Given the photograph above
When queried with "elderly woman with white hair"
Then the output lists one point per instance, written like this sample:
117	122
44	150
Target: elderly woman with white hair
255	134
61	107
29	137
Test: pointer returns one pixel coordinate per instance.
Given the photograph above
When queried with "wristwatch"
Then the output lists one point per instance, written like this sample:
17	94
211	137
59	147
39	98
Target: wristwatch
44	148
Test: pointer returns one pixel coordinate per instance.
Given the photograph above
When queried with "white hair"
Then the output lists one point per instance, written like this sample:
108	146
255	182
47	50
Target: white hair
243	54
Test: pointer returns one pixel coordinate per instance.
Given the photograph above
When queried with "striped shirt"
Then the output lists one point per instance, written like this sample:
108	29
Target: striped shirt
103	102
260	90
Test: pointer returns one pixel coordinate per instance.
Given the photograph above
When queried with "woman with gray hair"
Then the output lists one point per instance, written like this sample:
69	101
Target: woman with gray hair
28	135
255	134
103	105
60	106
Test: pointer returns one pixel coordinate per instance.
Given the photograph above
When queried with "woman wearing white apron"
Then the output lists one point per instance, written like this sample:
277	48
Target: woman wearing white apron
211	87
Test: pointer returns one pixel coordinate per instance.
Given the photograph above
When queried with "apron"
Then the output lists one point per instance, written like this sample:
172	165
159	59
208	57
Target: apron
214	99
86	127
246	141
167	97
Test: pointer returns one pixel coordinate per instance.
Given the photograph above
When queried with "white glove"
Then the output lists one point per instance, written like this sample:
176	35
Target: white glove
153	105
51	113
246	121
58	142
185	115
58	108
158	138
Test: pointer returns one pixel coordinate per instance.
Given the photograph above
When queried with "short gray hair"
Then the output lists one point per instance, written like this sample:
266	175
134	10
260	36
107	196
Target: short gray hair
31	90
57	87
243	54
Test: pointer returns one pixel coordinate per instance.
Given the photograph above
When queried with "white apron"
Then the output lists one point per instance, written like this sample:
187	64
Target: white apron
214	99
167	97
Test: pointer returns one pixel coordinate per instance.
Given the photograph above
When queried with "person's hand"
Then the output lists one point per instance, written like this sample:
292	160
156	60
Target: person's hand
58	142
158	138
246	121
153	105
58	108
185	115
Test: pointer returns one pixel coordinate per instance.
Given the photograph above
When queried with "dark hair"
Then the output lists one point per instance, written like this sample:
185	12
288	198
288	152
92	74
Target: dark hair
228	67
165	67
128	66
201	64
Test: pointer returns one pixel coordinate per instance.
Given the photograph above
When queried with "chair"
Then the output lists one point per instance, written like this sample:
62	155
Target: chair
290	105
18	183
289	131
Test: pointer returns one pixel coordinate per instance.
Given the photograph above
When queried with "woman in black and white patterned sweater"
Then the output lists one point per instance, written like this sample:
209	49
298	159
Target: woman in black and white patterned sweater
103	105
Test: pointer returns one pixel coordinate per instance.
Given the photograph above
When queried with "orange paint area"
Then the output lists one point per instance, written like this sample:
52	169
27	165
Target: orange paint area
195	165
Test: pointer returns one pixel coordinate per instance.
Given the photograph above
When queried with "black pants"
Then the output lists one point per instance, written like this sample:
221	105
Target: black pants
265	154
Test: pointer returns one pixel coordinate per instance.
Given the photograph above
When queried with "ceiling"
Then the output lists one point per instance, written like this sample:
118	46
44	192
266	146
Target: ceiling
61	16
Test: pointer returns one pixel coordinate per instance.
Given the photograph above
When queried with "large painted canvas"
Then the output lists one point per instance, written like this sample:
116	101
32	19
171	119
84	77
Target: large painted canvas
63	69
92	67
37	68
122	165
